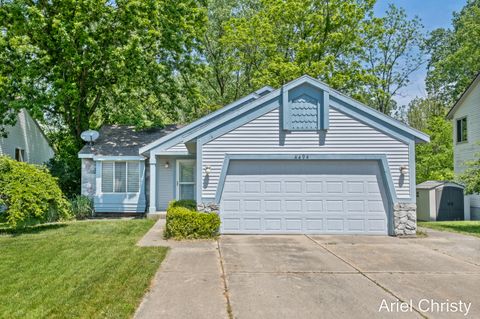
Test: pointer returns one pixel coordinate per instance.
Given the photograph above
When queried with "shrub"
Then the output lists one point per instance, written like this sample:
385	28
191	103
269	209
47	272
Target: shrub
187	203
30	195
82	207
184	223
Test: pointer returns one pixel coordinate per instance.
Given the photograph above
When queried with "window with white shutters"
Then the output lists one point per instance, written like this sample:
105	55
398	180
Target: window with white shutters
120	177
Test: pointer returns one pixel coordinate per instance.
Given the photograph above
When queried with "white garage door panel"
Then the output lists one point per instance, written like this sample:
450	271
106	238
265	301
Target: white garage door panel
303	197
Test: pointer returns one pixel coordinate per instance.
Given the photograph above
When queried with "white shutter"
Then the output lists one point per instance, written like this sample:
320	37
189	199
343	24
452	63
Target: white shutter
120	177
107	177
133	177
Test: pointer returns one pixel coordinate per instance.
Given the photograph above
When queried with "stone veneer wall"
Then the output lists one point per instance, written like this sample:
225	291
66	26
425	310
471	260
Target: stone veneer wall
208	207
88	177
405	219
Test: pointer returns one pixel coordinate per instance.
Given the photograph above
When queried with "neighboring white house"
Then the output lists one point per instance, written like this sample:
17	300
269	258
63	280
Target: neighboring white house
25	141
465	116
303	158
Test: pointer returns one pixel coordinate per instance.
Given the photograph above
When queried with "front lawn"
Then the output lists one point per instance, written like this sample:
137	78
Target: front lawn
464	227
89	269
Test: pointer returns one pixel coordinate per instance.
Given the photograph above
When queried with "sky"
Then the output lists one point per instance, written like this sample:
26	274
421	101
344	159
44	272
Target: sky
434	14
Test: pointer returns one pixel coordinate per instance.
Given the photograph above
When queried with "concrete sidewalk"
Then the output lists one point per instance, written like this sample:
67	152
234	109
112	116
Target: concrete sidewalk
189	283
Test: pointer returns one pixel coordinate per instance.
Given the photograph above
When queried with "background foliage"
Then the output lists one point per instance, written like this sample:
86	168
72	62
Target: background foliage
29	195
79	64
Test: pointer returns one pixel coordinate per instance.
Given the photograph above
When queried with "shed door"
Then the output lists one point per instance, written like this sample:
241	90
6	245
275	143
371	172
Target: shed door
314	196
451	204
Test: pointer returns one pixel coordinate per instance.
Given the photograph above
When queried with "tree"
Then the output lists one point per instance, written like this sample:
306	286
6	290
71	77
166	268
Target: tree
455	54
393	51
276	41
420	110
434	160
77	64
471	176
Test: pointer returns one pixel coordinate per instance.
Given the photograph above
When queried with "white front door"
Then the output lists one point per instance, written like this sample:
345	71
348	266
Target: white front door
185	179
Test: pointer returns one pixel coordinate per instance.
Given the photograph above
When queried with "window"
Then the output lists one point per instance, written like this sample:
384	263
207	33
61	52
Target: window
19	155
462	130
120	177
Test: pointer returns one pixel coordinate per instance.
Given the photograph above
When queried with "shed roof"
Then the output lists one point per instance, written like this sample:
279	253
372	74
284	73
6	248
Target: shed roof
123	140
435	184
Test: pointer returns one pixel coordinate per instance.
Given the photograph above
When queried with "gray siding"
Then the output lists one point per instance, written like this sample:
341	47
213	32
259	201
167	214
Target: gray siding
345	135
26	135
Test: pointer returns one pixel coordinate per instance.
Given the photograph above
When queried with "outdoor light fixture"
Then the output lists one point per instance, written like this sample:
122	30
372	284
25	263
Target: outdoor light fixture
167	164
403	169
207	170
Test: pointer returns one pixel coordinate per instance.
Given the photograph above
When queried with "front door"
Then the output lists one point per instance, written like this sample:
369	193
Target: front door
185	179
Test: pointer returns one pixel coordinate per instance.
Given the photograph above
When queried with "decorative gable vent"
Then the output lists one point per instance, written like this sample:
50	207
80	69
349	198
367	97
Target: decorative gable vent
305	108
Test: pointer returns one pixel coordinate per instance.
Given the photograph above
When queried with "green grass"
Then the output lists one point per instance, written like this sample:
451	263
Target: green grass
463	227
88	269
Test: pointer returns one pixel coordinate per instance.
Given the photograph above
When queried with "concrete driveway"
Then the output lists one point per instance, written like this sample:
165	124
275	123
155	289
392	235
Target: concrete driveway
319	276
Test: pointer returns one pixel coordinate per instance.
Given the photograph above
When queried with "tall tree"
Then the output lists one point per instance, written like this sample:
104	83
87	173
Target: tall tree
455	54
393	51
275	41
434	160
81	62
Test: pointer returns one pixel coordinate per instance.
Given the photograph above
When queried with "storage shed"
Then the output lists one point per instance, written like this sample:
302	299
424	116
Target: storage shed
440	200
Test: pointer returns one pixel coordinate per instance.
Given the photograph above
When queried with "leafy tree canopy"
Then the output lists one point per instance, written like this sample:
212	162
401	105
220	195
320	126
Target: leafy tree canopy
455	54
80	63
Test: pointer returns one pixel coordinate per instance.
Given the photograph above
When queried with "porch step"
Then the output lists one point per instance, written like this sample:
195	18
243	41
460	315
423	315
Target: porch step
157	215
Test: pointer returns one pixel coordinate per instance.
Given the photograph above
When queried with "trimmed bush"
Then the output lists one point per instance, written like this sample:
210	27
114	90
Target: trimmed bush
184	223
30	195
82	207
187	203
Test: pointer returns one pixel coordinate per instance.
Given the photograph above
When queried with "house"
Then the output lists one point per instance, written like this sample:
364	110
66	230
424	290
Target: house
25	141
303	158
465	117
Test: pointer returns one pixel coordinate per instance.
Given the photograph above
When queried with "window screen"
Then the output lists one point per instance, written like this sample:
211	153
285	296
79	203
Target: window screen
107	177
120	177
133	177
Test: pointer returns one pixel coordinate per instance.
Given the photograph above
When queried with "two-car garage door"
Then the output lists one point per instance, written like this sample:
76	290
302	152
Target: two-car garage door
303	196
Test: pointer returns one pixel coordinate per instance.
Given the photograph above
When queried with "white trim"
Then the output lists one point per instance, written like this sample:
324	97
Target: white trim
177	179
86	156
118	158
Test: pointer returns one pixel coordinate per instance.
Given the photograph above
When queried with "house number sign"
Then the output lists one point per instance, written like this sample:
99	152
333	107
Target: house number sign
301	157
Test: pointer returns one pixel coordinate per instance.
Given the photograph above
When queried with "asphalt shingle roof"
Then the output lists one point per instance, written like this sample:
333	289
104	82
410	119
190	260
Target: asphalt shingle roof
122	140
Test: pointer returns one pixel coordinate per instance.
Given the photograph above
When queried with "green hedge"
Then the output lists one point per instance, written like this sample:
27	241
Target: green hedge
184	223
29	195
187	203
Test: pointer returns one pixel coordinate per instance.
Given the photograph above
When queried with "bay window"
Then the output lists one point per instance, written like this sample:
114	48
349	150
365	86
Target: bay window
120	177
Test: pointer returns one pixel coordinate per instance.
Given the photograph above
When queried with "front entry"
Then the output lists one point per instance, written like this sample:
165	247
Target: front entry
185	179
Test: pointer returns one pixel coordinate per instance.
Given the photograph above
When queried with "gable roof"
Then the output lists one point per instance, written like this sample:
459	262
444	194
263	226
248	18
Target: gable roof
122	140
214	116
435	184
463	97
242	106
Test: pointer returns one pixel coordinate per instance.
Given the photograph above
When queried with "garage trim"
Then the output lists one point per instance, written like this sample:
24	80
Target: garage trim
380	158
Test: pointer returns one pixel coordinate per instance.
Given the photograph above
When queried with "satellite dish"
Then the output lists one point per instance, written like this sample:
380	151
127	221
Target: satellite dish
89	136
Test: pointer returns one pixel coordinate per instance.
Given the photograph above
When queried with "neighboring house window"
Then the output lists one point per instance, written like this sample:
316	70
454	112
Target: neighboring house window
20	155
120	177
462	130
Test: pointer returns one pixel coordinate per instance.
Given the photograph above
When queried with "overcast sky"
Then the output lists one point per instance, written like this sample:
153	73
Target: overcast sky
434	14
